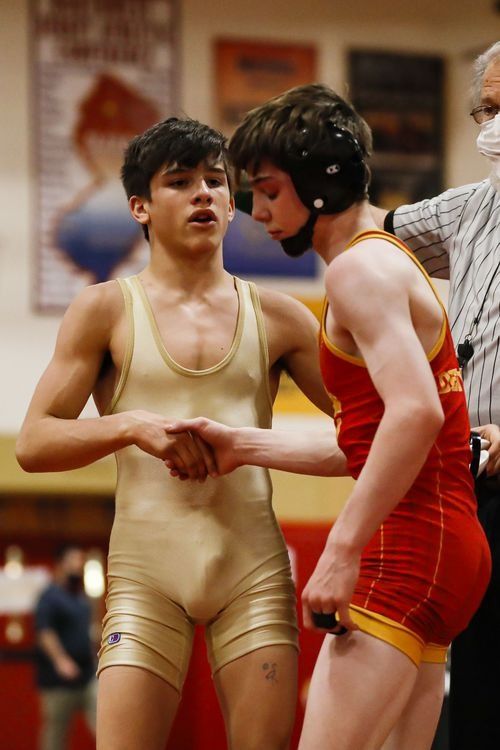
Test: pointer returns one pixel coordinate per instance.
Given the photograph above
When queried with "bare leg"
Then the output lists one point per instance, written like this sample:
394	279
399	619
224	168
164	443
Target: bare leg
258	697
359	688
135	709
416	727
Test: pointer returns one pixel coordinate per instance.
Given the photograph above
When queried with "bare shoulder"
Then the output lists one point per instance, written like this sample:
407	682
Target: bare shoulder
284	310
106	297
94	313
372	271
290	326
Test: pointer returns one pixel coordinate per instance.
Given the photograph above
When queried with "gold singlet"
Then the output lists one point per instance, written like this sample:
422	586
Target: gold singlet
185	553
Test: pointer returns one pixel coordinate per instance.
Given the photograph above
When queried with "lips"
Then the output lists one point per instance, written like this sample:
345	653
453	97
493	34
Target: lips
203	216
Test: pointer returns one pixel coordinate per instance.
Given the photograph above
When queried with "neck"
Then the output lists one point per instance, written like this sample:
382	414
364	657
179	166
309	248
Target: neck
333	233
186	271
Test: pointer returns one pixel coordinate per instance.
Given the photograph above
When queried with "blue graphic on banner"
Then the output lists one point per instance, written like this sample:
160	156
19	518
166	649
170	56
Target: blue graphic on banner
249	251
100	232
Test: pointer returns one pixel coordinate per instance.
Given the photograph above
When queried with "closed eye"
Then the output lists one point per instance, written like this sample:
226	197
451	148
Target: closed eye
178	183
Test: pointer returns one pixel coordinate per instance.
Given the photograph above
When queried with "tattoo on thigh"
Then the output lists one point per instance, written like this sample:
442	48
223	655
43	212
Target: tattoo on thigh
271	671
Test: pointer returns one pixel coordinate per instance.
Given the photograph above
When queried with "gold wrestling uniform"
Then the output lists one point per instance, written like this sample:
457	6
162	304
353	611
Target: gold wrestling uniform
183	553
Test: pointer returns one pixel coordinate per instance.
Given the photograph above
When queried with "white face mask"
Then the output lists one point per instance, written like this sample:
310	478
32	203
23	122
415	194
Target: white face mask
488	143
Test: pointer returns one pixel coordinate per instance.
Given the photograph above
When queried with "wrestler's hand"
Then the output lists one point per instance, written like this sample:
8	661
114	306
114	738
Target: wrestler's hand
217	436
187	452
330	588
491	432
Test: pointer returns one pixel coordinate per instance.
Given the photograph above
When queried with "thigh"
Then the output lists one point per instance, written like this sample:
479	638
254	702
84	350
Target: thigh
359	688
262	615
258	695
144	628
135	709
416	727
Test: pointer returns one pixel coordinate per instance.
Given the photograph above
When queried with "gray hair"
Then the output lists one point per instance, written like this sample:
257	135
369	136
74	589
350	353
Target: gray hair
480	65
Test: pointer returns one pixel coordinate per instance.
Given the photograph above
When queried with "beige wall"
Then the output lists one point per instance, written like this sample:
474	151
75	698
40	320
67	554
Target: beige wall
456	29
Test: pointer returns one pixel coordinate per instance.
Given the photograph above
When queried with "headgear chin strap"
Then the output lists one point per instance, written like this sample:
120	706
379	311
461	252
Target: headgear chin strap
298	244
328	175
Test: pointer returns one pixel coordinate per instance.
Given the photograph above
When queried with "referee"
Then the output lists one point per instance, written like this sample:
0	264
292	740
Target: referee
457	236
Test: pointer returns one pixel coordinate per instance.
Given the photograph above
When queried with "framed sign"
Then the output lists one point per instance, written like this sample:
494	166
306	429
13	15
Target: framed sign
400	97
100	77
248	74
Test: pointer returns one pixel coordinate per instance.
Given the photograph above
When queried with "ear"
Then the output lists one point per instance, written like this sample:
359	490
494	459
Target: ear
139	209
232	209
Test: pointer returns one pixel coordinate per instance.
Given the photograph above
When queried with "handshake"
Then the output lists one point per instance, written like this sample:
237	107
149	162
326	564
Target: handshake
200	448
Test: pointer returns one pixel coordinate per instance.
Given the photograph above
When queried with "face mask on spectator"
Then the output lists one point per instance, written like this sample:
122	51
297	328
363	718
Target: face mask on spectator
488	144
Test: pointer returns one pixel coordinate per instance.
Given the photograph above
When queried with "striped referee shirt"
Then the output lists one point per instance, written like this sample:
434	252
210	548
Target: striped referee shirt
456	236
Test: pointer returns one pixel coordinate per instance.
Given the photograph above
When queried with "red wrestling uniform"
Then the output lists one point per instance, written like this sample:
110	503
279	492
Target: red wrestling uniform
424	572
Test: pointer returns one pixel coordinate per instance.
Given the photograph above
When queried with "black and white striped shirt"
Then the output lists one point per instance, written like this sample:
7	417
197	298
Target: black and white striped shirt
456	235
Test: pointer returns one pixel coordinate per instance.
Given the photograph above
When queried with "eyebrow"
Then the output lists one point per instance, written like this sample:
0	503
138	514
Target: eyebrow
182	170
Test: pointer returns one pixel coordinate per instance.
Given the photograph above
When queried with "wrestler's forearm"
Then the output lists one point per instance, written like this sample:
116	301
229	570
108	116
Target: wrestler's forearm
313	453
399	450
55	444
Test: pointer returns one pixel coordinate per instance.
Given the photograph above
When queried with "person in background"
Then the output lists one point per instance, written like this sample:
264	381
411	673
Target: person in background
456	236
66	655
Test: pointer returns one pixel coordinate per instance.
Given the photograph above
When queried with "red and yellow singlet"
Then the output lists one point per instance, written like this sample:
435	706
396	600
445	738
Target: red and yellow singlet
424	572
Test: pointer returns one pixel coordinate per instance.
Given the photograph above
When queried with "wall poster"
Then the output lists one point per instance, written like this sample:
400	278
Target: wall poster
249	73
400	96
103	71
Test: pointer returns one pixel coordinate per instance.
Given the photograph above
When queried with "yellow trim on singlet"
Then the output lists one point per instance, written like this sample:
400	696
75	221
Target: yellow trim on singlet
379	234
389	631
129	346
261	328
161	346
398	635
434	653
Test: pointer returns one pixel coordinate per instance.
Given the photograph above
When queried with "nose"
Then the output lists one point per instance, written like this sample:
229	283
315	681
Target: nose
259	210
202	194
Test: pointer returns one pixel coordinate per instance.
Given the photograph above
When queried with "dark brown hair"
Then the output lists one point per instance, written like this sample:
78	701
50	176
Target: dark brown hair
273	130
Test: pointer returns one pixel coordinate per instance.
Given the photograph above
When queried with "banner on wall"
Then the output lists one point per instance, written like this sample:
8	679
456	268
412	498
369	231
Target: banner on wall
103	72
248	73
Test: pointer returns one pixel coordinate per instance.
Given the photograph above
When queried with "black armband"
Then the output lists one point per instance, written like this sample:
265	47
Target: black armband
389	223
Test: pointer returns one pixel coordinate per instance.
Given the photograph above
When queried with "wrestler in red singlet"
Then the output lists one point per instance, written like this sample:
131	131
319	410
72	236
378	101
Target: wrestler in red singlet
427	567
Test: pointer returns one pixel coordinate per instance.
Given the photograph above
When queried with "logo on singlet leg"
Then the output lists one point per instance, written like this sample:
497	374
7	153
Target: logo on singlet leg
114	638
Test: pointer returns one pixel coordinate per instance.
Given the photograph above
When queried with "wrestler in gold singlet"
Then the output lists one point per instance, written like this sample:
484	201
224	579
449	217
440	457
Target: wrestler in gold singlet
187	553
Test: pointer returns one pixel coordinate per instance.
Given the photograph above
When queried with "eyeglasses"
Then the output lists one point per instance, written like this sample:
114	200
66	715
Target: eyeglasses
484	113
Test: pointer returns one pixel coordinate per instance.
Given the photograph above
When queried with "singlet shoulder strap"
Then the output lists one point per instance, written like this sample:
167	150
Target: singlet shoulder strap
261	328
129	346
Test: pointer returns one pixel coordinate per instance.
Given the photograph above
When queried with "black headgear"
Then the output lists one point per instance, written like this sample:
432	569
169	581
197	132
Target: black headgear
329	175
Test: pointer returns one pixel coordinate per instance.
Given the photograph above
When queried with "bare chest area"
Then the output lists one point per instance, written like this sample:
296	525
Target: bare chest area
198	335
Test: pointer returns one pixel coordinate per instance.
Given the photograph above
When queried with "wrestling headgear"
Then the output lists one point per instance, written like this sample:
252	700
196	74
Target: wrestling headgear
329	175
